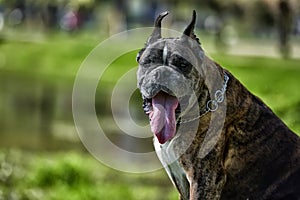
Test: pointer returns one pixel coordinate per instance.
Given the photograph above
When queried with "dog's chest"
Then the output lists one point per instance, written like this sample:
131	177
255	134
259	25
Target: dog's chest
172	166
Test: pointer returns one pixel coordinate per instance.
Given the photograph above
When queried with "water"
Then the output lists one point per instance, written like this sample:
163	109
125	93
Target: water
37	114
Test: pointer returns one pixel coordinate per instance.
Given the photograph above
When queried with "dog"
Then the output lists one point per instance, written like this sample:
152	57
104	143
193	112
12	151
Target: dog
214	138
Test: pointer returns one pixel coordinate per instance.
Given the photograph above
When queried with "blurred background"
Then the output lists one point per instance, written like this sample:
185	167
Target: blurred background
44	42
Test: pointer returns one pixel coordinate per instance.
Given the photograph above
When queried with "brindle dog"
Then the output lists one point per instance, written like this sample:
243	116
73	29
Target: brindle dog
239	149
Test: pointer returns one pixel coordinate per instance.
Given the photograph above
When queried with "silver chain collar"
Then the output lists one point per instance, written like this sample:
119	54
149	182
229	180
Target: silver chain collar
213	104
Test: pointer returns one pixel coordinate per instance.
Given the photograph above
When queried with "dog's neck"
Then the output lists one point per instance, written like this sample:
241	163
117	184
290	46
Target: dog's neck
212	93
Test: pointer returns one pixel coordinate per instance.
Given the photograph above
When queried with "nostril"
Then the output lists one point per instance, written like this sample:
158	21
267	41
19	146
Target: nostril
157	75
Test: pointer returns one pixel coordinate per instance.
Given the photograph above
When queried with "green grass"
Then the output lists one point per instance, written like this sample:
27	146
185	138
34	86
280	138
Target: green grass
50	60
74	176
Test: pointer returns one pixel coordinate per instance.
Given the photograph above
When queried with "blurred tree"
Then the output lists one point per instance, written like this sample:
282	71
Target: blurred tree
219	9
264	18
51	15
285	21
47	112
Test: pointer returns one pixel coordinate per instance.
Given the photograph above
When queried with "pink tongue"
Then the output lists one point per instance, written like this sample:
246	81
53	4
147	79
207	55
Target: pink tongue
163	120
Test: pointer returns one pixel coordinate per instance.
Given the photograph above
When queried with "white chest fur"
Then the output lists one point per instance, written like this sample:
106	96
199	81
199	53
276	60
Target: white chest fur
173	168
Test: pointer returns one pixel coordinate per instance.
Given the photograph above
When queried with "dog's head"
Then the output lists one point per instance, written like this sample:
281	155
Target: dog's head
170	77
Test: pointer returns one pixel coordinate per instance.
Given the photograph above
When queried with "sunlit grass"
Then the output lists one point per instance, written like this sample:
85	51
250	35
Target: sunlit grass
48	59
76	176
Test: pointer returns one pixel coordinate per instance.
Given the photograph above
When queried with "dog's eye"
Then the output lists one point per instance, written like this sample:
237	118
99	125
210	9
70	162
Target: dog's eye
152	57
185	67
138	56
181	63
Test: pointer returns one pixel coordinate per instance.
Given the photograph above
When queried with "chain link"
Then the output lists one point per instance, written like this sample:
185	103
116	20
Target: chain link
213	104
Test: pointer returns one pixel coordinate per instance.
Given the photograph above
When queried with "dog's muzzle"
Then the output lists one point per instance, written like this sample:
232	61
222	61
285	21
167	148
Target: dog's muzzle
167	94
164	79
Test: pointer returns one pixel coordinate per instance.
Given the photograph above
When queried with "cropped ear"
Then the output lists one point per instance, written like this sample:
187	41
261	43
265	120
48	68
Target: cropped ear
156	34
189	30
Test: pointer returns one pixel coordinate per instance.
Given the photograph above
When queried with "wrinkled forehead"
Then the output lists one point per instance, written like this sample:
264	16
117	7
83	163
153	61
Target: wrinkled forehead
164	48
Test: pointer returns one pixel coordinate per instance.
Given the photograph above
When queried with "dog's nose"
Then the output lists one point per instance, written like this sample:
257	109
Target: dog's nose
154	89
161	75
166	79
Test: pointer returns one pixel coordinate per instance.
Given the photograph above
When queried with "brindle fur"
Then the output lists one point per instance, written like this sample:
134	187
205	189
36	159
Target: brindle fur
256	155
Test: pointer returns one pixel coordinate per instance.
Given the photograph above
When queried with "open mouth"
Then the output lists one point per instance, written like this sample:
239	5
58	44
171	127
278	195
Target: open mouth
164	112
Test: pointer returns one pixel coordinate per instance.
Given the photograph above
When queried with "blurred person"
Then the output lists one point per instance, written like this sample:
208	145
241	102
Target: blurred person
85	16
17	14
69	20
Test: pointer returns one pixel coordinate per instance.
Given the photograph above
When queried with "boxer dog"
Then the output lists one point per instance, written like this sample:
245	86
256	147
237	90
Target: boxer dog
215	139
